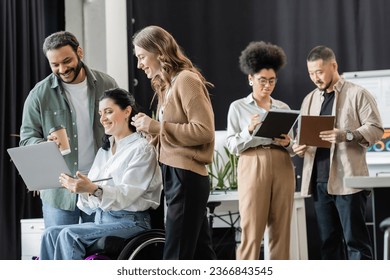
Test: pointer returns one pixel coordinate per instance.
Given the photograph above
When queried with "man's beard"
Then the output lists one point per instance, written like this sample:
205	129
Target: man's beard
76	71
327	86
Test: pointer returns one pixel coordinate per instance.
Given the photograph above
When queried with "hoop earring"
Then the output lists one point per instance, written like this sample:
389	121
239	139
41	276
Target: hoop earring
250	83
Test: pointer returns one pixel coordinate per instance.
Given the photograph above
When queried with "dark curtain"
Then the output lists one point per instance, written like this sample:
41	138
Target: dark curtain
24	25
213	34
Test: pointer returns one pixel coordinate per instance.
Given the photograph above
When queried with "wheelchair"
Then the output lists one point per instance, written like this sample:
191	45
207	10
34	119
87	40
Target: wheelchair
145	245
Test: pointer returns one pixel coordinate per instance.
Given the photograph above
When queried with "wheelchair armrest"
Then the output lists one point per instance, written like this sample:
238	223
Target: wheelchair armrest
385	224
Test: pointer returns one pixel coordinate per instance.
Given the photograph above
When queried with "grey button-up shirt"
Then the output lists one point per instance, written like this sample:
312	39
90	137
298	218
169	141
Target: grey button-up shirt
47	106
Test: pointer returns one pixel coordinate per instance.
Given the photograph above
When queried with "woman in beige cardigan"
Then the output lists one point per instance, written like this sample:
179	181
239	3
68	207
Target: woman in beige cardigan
184	135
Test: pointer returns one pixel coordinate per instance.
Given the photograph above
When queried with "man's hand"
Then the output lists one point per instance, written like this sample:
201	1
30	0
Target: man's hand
333	136
299	150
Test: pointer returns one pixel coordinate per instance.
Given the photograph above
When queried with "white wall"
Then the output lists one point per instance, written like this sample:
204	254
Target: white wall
101	28
116	41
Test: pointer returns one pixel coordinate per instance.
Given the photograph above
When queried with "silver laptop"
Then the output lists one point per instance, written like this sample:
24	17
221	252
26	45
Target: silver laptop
39	165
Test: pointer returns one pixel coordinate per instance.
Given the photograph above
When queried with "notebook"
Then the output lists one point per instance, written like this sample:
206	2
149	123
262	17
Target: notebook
39	165
277	122
310	128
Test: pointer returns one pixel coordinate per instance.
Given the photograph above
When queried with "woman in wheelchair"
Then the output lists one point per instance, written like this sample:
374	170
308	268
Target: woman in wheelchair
121	202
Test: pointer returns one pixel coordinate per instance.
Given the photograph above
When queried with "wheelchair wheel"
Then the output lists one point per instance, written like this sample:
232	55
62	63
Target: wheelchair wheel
148	245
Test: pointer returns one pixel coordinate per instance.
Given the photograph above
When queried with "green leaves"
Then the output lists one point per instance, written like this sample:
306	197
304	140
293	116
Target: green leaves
223	171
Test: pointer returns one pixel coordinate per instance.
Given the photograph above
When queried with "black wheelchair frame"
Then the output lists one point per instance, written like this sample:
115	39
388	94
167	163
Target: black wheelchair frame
145	245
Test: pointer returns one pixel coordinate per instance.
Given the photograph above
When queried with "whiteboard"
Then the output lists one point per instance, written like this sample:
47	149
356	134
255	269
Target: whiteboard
377	82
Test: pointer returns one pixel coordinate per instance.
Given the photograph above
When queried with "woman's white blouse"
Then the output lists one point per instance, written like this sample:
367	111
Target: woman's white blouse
240	113
136	182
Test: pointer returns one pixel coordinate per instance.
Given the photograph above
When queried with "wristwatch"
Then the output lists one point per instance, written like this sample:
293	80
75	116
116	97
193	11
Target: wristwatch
348	136
98	192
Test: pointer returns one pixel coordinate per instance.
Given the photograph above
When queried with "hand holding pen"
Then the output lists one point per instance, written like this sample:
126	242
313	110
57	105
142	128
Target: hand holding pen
79	184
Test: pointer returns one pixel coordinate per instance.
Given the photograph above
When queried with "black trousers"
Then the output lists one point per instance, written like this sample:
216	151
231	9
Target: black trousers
342	227
187	232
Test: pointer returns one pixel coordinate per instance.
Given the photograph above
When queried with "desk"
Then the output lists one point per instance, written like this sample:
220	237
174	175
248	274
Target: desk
298	243
380	187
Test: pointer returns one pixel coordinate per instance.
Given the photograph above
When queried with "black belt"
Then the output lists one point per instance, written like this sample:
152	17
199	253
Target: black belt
270	146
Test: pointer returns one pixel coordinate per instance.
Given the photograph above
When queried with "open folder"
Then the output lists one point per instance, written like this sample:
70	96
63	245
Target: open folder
276	122
309	128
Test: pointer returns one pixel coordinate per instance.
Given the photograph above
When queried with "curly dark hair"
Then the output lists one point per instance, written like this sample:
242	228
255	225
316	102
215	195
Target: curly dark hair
261	55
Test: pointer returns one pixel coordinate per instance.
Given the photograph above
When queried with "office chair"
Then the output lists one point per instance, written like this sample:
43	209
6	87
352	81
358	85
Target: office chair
385	226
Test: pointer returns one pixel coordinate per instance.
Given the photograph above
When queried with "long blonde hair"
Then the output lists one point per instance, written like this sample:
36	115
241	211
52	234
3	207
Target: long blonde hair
172	59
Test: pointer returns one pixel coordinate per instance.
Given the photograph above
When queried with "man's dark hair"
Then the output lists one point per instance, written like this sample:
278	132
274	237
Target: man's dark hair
60	39
321	52
261	55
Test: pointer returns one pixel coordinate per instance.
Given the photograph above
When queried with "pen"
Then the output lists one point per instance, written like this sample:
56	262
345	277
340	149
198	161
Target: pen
94	181
100	180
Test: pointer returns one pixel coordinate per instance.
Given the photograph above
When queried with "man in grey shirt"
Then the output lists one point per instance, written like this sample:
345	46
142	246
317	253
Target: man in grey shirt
69	97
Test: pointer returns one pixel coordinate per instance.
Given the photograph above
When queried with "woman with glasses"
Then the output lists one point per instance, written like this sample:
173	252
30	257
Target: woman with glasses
266	178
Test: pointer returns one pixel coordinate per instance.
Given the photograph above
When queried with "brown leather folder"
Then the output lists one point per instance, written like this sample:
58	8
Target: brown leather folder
309	128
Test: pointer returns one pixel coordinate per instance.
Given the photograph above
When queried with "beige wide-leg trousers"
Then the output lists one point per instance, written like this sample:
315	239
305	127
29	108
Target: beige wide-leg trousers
266	185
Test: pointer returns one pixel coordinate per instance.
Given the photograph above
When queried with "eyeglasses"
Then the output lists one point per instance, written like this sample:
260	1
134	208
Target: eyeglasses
271	81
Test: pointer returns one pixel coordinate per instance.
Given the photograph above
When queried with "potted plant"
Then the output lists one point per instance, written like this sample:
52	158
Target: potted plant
223	171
